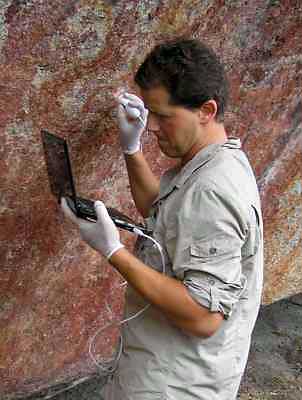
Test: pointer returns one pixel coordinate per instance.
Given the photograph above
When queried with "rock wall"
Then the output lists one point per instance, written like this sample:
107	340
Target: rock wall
60	63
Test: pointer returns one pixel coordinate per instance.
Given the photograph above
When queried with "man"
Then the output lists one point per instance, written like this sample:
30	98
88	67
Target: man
193	341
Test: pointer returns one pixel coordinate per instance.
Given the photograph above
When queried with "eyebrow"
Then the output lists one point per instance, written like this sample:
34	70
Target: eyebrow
158	113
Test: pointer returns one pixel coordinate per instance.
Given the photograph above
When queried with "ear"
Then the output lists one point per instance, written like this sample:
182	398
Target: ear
207	111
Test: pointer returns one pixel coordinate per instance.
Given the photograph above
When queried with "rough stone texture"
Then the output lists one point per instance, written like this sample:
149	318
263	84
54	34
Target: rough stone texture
60	63
274	366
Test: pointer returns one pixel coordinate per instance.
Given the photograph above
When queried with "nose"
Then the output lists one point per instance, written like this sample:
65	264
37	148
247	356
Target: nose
152	123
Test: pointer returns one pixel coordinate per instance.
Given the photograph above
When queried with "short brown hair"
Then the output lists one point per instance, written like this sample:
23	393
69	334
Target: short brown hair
189	70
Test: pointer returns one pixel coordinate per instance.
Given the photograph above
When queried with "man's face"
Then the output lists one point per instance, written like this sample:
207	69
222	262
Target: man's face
177	129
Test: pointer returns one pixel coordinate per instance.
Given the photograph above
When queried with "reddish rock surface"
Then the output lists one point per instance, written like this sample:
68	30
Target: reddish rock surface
60	63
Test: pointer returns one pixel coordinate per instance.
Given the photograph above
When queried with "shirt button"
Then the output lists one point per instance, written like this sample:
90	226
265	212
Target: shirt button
211	281
213	251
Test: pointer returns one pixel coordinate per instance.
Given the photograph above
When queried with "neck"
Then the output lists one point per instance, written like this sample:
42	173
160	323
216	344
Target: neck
214	134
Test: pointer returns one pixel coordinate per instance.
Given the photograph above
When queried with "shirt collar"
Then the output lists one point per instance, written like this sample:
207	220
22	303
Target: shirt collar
176	177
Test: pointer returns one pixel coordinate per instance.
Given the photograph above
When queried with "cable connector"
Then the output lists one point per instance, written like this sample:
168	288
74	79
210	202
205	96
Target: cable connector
138	232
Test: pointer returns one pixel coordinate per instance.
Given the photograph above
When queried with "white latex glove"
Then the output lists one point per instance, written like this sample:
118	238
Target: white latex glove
102	235
132	119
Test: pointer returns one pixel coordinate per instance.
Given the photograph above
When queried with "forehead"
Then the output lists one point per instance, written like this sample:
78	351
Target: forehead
156	98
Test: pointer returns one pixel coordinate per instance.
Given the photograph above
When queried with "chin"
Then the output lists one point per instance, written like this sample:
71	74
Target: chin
170	154
168	151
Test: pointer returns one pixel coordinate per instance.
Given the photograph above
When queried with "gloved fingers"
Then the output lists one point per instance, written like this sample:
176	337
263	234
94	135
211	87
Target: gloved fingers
122	100
135	100
102	213
100	207
121	112
142	110
132	101
67	211
122	107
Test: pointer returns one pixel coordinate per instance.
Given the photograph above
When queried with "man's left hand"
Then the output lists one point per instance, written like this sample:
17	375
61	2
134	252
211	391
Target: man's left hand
102	235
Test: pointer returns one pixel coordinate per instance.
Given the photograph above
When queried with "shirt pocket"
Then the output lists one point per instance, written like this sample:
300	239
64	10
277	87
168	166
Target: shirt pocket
219	257
218	248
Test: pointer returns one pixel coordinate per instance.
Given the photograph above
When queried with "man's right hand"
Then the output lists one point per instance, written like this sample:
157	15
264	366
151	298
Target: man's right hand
131	123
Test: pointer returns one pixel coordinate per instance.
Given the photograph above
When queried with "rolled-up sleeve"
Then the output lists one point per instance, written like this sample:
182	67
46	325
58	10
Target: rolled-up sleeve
207	252
212	293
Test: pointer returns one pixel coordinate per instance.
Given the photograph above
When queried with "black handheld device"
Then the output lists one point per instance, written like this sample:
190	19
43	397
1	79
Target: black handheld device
62	184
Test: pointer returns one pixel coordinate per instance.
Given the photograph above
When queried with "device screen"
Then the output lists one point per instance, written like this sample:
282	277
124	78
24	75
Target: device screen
58	165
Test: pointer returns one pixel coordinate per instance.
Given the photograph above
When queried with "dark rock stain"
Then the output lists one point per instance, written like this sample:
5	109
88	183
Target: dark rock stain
14	9
297	115
111	2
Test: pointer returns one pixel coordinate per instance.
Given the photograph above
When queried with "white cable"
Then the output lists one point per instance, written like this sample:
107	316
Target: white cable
108	368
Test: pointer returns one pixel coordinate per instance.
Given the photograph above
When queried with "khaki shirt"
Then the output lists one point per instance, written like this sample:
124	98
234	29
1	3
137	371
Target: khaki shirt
207	218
